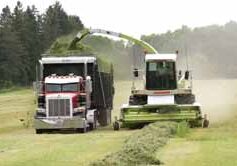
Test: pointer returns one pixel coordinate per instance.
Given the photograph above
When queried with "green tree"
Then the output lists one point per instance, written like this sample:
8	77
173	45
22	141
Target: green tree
11	51
56	22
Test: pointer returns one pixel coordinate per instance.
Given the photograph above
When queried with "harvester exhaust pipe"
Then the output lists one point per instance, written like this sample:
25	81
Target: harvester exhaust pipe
186	75
135	72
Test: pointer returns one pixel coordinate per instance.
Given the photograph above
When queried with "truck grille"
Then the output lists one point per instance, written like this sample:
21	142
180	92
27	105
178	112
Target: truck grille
59	107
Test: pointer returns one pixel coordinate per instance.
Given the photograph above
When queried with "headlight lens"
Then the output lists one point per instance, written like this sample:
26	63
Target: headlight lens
41	110
79	109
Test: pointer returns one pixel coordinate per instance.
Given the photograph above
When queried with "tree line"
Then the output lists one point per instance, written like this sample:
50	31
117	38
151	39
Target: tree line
25	34
210	51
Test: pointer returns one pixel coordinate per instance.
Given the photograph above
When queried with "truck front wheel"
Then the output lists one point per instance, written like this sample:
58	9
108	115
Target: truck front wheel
38	131
93	126
82	130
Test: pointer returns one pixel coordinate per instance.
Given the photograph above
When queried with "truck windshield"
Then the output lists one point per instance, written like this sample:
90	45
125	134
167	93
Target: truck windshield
72	87
160	75
53	88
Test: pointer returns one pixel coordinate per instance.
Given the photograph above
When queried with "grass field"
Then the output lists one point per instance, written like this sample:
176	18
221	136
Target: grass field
214	146
21	146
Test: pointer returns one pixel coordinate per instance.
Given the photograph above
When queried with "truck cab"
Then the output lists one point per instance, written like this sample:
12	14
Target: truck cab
62	104
69	94
65	96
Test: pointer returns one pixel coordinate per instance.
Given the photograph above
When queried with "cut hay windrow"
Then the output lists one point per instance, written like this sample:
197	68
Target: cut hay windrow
141	147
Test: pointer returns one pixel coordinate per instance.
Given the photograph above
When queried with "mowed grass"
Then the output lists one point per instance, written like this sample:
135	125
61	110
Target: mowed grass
14	106
215	146
21	146
26	148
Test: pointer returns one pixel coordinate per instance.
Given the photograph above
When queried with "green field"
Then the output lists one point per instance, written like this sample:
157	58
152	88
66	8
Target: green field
214	146
21	146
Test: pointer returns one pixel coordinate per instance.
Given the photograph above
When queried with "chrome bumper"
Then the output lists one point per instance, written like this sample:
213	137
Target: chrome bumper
59	123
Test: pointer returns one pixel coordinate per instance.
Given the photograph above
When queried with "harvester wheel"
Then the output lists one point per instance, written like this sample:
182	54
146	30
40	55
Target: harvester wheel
137	100
205	123
185	99
116	125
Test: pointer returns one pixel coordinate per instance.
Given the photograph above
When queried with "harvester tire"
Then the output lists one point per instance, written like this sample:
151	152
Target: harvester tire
116	126
185	99
137	100
205	123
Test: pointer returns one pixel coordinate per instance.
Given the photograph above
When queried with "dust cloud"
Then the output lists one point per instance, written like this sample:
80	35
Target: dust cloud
217	97
216	94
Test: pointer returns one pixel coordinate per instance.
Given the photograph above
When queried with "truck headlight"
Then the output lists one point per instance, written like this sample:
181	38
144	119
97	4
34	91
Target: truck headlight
41	110
79	109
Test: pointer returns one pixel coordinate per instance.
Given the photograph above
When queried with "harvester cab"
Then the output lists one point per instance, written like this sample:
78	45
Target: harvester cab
166	96
161	79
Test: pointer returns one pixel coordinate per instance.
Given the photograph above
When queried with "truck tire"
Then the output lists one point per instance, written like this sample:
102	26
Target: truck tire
82	130
104	117
93	126
38	131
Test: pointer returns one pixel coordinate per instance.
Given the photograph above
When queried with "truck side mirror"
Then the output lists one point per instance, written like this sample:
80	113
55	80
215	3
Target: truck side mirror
186	75
135	72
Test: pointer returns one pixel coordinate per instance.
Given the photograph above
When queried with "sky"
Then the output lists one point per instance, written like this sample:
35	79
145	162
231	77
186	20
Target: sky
138	17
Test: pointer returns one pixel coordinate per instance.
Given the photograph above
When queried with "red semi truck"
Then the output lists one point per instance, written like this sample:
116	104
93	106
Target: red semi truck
73	93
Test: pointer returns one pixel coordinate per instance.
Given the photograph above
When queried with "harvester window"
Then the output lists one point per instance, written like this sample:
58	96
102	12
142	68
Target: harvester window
160	75
153	66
